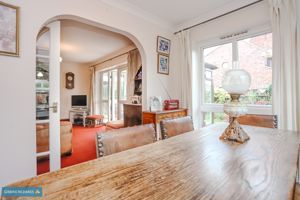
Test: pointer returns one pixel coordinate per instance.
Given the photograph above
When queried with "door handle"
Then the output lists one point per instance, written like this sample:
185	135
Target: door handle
54	107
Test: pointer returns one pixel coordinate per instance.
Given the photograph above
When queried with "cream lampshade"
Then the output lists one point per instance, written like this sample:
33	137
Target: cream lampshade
236	82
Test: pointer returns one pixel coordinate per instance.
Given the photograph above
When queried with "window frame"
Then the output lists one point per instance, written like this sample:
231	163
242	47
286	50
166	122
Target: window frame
215	107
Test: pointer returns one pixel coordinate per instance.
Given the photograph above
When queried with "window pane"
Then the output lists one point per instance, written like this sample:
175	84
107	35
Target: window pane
105	92
104	111
255	56
123	84
121	111
42	88
214	117
114	75
217	60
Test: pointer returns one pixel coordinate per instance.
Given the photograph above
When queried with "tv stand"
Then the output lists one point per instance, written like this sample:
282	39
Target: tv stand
78	116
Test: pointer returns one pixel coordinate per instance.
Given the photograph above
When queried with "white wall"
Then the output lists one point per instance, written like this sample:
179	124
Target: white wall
17	74
298	13
81	85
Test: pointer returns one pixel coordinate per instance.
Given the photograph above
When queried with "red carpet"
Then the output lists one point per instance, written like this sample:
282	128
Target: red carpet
84	148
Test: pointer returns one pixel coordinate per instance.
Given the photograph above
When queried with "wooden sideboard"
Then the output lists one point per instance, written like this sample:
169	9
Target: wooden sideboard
155	117
132	114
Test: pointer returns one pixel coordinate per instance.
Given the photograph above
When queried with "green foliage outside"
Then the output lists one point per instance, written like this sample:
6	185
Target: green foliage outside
256	96
220	96
210	118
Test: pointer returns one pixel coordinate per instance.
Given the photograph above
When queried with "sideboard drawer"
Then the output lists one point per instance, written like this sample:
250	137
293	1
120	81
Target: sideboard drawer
156	117
170	115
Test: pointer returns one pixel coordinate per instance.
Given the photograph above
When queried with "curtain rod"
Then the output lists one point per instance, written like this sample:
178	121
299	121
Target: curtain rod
214	18
113	57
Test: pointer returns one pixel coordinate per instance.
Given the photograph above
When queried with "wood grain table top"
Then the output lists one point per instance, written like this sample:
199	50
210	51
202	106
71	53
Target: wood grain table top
195	165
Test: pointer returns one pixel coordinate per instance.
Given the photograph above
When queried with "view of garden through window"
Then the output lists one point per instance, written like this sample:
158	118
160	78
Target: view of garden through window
255	56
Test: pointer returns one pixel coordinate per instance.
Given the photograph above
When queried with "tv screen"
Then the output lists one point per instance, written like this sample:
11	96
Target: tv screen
79	100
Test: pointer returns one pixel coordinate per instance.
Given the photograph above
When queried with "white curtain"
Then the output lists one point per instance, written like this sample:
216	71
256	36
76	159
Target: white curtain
92	91
185	64
134	63
286	72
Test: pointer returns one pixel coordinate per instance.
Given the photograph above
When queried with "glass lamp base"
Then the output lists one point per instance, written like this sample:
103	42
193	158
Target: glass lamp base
234	132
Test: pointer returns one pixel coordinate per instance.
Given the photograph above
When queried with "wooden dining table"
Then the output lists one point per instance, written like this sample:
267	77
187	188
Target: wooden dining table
194	165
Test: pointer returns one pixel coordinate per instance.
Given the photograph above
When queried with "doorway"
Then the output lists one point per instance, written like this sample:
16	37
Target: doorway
113	94
114	82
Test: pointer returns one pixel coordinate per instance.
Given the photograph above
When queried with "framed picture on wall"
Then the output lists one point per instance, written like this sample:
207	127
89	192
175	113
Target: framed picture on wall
9	29
163	64
163	45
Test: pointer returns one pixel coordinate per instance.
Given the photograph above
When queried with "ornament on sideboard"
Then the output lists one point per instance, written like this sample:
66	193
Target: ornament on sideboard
156	104
70	80
171	104
136	99
236	82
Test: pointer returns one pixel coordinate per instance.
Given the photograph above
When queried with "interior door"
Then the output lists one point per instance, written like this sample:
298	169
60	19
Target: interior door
48	96
54	96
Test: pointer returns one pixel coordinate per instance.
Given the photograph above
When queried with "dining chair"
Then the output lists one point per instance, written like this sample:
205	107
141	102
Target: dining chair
122	139
268	121
177	126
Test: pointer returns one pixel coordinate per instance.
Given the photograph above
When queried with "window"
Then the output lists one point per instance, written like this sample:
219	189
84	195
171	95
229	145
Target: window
213	117
216	61
254	54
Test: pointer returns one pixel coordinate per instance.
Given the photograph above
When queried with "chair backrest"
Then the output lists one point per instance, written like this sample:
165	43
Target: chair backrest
173	127
268	121
118	140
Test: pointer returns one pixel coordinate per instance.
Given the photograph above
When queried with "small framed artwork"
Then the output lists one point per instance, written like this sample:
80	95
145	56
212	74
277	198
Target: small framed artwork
9	30
163	64
163	45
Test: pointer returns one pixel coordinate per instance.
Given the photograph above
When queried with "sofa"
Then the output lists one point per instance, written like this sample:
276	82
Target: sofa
42	138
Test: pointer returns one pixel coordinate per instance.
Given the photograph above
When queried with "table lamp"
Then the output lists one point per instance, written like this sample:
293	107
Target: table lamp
236	82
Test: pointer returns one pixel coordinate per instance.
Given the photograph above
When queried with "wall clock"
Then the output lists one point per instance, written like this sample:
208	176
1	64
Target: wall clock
70	80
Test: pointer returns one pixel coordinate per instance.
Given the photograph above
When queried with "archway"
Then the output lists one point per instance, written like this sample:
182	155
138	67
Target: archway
52	146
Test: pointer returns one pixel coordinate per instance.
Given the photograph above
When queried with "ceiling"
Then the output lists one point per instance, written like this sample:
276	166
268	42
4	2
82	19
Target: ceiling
82	43
177	12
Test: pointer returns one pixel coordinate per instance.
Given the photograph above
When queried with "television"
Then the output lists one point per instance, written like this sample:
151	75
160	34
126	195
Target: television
79	101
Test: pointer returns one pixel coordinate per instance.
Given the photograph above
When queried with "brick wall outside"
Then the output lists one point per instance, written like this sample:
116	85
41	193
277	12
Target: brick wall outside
253	54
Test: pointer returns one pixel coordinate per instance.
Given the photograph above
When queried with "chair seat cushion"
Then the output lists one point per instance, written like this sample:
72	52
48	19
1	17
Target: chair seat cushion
42	137
115	124
95	117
